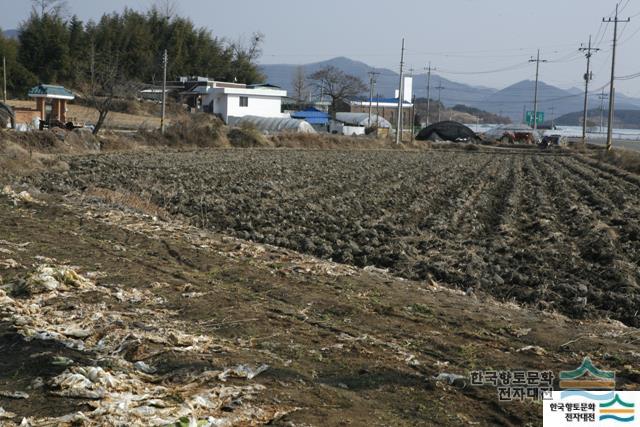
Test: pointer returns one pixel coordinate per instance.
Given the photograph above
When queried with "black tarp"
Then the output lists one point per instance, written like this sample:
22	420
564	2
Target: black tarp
447	131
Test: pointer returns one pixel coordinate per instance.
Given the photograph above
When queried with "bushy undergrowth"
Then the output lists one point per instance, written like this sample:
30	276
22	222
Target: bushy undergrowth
624	159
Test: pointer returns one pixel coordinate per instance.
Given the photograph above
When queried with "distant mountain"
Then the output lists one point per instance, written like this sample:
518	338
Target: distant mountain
11	34
575	91
553	101
387	81
509	102
627	119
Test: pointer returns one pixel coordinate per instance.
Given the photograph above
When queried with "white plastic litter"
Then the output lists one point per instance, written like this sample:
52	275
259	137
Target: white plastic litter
114	323
242	371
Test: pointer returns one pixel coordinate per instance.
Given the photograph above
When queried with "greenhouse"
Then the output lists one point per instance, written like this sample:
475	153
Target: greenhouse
271	125
362	119
446	131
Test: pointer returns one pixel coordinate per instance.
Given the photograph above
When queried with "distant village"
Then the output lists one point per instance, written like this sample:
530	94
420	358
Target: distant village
264	106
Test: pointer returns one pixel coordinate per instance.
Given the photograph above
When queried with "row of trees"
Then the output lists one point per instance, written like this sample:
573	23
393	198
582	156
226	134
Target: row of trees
53	49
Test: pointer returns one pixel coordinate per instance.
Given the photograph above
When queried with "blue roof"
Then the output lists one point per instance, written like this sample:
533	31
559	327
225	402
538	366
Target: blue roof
312	115
50	91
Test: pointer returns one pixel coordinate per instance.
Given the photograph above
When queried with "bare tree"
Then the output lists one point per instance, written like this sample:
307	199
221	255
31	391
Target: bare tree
337	85
49	7
168	9
107	83
255	46
299	85
251	50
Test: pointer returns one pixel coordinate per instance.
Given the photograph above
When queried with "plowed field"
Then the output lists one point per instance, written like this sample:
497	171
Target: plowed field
544	229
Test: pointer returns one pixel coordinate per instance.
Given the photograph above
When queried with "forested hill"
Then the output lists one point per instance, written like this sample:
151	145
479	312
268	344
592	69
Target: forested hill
52	49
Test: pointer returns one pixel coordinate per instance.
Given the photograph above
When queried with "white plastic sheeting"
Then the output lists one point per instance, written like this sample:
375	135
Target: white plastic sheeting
274	124
362	119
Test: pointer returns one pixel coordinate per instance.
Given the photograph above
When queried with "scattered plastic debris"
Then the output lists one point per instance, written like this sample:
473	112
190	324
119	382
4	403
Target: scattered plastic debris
143	367
242	371
452	379
374	269
120	391
22	197
521	332
6	414
49	278
14	394
532	349
8	264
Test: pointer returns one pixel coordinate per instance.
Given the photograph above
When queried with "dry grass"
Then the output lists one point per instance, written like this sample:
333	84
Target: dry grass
328	141
200	130
247	136
125	199
16	159
624	159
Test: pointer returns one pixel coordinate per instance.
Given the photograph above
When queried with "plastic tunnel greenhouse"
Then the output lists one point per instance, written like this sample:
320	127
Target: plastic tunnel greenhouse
270	125
362	119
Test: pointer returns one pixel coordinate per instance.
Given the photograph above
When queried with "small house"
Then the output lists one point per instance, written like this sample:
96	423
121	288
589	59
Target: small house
50	108
228	100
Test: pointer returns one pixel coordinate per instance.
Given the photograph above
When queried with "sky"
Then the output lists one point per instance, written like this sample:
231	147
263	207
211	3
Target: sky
479	42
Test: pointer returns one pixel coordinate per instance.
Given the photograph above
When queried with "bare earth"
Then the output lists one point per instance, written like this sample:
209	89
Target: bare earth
343	345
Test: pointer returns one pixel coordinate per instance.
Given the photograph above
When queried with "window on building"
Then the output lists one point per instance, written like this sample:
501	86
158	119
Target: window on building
244	101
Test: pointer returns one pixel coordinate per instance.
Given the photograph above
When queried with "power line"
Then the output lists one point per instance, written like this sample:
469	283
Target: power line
499	70
629	77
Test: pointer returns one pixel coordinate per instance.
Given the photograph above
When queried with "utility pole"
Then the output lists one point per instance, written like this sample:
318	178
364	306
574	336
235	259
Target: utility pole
429	70
439	87
372	82
413	117
553	109
377	110
612	92
4	79
400	86
535	94
524	114
165	59
588	76
602	97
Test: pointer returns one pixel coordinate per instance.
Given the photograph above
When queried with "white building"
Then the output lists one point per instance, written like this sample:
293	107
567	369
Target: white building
235	99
